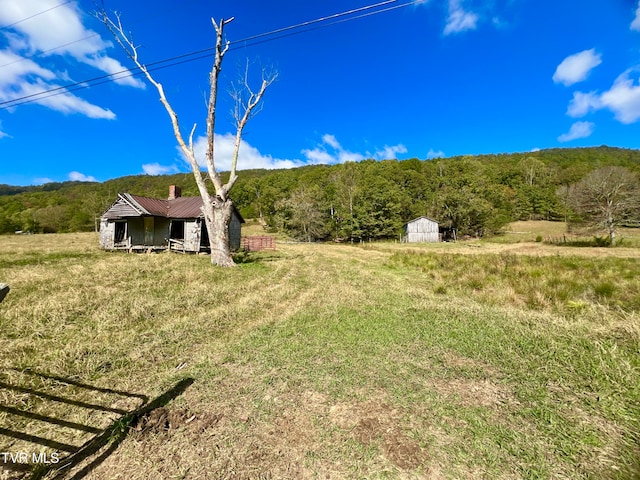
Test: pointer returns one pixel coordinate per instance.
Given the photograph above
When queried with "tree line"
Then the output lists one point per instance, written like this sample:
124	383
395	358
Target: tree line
476	195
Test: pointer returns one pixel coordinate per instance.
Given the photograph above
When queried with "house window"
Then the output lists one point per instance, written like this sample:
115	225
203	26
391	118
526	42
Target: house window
177	230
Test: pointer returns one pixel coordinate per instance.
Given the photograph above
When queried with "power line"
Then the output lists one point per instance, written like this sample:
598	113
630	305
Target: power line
344	20
318	20
35	15
53	49
22	59
204	53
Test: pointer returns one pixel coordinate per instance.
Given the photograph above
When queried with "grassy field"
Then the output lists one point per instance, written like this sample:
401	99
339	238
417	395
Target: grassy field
469	361
557	232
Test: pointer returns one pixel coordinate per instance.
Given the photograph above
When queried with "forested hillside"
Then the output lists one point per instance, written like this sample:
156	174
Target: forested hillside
352	201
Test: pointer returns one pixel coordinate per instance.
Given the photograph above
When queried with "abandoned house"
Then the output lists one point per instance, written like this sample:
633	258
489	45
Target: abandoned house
421	229
177	223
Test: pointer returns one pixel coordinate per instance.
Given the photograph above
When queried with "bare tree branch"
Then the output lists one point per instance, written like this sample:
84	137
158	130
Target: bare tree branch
246	106
607	197
125	41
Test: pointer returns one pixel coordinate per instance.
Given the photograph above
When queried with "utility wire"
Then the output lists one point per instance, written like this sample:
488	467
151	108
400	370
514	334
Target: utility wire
204	53
35	15
318	20
22	59
336	22
38	54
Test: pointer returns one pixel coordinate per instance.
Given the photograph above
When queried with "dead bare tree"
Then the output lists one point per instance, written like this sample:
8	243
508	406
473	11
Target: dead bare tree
217	208
607	197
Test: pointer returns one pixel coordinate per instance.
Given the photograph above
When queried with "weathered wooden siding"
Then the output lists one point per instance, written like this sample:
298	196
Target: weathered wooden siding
149	224
121	209
192	235
107	231
161	232
416	237
422	230
135	227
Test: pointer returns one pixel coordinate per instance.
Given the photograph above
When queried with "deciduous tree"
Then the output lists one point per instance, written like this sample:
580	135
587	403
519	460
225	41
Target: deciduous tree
607	197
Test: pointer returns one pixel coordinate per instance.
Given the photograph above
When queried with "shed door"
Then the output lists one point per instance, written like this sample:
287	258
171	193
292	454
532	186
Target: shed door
148	230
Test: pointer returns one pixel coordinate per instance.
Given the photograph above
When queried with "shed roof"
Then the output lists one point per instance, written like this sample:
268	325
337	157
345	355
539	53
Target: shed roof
420	218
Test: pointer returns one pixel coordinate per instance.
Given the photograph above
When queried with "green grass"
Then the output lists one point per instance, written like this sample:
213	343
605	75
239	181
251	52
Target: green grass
533	282
331	361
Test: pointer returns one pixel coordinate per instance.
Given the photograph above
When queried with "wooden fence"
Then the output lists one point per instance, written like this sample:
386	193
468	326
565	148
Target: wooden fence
258	243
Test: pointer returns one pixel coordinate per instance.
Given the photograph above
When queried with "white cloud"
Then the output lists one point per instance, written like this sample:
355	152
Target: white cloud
157	169
459	19
121	75
577	130
635	25
390	152
32	42
42	180
435	154
330	152
623	98
65	102
81	177
14	67
249	157
583	103
3	134
319	156
331	141
575	68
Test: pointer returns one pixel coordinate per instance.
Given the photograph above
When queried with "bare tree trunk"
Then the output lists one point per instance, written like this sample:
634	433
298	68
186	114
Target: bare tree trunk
221	212
612	231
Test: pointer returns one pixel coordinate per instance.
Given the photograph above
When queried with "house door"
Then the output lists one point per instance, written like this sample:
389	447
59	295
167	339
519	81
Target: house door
148	230
120	232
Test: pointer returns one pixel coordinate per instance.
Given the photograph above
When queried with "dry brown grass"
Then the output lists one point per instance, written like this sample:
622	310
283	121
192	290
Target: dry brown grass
558	232
316	361
532	248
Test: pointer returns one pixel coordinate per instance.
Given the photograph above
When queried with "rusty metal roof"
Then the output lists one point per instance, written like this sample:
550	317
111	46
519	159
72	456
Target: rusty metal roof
149	206
181	207
185	207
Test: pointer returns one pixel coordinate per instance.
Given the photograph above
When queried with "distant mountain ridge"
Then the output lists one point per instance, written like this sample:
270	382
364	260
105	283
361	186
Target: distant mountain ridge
368	199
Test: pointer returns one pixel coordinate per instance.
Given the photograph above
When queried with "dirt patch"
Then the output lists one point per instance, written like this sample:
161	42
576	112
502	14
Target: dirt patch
403	451
476	393
465	363
374	423
163	421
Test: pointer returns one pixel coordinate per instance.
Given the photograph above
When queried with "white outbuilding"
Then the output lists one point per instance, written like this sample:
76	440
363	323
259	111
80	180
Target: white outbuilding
421	229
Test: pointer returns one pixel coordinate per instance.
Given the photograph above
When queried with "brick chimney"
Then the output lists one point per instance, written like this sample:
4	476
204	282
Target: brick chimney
174	192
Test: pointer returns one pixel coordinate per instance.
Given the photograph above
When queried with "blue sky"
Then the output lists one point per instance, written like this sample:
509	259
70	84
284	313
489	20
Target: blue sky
409	79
